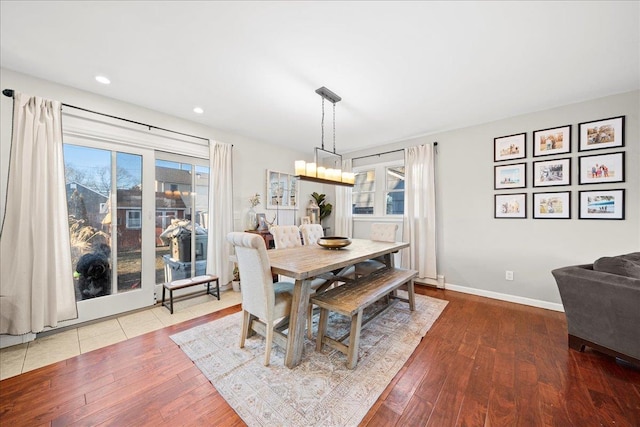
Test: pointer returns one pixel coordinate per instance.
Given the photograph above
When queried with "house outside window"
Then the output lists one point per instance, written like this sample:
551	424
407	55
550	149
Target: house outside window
364	192
134	219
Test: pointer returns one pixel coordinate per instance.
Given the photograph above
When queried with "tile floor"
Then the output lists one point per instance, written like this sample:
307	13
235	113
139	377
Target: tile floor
53	348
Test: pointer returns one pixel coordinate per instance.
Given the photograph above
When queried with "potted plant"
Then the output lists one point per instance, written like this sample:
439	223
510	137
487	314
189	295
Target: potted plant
325	208
236	279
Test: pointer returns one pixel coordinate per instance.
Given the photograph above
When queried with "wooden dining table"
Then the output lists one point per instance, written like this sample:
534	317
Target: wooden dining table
308	262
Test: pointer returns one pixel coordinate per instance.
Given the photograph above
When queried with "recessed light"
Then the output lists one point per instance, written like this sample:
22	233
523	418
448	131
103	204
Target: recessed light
198	110
103	80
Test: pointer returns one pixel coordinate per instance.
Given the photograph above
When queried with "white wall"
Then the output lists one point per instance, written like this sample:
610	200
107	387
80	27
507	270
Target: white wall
474	249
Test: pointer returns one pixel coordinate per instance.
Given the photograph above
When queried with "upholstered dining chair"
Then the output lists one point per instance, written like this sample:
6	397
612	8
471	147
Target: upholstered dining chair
311	233
262	299
380	232
288	236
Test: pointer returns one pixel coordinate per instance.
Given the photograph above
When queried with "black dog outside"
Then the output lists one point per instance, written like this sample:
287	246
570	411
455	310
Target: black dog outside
94	273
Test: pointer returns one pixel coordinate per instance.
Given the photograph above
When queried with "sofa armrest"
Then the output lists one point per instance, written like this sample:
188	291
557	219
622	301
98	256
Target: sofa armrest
601	307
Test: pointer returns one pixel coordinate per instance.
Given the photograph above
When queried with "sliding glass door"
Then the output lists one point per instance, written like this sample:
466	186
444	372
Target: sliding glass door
181	212
110	205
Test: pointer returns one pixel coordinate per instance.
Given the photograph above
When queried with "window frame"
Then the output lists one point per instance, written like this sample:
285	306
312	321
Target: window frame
380	191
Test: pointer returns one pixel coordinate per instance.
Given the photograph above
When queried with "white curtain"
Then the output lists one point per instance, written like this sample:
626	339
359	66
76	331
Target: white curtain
36	283
420	211
220	211
344	210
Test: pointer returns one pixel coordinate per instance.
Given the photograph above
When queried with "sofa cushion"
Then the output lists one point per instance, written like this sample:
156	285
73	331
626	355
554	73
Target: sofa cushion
619	265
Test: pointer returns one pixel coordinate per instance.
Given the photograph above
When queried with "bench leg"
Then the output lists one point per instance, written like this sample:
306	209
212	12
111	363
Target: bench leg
322	328
217	294
412	296
354	340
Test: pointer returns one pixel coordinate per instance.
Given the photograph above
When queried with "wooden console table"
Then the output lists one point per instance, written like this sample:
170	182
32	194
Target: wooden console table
266	236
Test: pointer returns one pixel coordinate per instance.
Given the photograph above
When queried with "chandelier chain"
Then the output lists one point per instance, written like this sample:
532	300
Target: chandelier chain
322	124
334	127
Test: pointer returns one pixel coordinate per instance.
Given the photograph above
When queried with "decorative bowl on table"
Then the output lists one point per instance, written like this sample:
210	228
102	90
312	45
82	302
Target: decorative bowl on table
334	242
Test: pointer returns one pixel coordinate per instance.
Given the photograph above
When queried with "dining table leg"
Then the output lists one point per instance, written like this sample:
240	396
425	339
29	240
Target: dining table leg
297	323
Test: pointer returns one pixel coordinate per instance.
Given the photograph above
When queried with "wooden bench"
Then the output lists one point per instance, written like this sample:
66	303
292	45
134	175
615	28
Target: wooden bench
352	298
186	283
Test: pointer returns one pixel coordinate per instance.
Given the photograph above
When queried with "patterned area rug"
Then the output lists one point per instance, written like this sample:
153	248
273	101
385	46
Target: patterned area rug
320	391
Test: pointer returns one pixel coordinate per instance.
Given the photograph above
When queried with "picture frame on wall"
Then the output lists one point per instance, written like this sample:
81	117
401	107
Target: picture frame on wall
602	204
510	205
552	205
601	168
601	134
510	147
552	173
547	142
510	176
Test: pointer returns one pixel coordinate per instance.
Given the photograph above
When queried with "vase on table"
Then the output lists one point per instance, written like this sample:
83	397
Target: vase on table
251	220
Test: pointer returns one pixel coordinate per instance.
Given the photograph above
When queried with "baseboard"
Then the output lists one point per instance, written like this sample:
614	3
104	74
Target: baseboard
506	297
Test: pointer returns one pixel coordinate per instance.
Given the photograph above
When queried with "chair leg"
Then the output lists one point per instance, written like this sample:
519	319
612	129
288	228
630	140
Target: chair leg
246	327
269	342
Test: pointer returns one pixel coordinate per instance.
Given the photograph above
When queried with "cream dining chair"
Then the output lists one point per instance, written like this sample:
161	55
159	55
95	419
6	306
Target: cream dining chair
288	236
262	299
380	232
311	233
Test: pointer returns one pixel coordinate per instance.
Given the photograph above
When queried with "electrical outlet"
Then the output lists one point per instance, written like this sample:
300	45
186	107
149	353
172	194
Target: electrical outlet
508	275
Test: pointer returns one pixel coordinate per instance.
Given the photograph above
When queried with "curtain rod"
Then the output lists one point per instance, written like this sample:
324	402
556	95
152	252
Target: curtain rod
381	154
9	93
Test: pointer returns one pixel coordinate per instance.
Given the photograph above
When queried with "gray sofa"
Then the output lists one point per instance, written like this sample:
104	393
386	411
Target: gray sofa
602	305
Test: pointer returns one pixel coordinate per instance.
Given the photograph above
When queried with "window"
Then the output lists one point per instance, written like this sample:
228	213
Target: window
134	219
394	195
379	200
364	192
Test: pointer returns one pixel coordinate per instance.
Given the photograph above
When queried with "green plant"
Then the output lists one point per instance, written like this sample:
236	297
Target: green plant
325	208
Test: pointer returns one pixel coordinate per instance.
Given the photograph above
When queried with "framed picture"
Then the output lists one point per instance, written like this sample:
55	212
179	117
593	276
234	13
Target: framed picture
510	176
552	141
551	173
555	205
282	190
602	204
605	133
262	221
510	147
305	220
601	168
510	206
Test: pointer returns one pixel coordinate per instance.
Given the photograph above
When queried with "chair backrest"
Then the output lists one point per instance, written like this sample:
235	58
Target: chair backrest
258	295
286	236
383	232
311	233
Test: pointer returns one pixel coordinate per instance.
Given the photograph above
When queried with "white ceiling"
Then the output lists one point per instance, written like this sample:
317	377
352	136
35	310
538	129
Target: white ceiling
403	69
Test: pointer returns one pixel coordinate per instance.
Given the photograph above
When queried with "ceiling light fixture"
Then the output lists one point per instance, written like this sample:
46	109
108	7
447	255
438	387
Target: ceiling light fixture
102	79
198	110
327	166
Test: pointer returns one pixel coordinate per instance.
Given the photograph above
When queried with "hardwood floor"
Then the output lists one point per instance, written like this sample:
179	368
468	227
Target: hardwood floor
483	363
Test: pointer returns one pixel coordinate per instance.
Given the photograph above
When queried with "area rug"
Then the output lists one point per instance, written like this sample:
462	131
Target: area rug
320	391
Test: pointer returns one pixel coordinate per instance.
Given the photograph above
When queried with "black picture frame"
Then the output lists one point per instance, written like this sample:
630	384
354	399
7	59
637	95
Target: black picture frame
601	134
601	168
556	140
510	176
551	205
602	204
510	147
552	173
513	205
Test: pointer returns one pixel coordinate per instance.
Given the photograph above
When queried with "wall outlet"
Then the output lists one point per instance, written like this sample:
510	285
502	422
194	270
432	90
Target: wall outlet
508	275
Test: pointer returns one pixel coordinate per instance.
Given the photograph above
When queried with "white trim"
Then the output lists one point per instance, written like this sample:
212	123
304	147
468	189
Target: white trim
506	297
